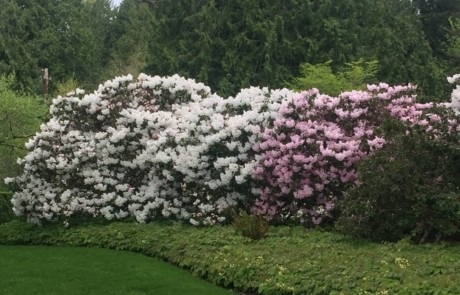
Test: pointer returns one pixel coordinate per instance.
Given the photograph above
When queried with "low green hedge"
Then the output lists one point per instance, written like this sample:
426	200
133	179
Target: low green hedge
6	208
287	261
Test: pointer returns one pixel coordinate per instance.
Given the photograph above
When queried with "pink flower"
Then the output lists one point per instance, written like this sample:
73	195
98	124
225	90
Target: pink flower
359	96
423	122
376	143
358	112
319	186
384	96
372	87
383	85
258	170
434	118
281	137
341	113
422	106
290	123
341	156
305	192
285	109
299	158
326	152
264	145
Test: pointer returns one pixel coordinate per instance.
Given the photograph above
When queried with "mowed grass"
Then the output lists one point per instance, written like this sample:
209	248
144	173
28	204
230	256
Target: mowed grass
66	270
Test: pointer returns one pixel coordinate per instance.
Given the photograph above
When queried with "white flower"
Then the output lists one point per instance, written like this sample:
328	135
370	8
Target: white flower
455	100
453	79
9	180
194	222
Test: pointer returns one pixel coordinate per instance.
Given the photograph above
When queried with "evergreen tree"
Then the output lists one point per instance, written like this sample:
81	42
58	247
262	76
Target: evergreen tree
454	49
231	44
15	57
435	16
397	41
234	44
130	36
63	36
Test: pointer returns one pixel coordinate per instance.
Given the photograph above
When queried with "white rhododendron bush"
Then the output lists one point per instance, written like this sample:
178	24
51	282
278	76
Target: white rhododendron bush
167	147
152	148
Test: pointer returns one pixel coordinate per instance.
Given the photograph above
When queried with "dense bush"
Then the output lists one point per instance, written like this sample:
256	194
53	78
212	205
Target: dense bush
154	148
411	185
408	187
167	147
250	225
309	158
290	260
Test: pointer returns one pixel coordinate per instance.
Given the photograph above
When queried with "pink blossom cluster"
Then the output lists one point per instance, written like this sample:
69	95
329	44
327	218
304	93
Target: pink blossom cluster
310	156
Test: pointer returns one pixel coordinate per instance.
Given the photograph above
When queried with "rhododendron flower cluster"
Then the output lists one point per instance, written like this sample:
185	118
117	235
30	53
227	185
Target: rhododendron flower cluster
309	158
159	147
455	99
167	147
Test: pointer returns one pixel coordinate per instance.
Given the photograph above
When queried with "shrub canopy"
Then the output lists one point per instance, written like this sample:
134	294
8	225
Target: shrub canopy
167	147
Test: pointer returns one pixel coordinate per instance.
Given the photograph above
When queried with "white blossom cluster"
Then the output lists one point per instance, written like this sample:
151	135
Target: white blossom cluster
158	147
455	98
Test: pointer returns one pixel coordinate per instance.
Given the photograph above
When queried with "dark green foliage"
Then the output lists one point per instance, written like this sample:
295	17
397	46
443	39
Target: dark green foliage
67	37
290	260
250	226
453	49
435	15
228	45
131	35
402	50
15	58
234	44
6	208
407	188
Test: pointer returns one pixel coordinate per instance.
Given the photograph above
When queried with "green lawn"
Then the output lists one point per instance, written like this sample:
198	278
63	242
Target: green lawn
66	270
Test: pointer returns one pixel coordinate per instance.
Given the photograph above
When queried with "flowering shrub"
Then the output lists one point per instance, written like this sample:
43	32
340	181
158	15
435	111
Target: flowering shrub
410	187
167	147
158	147
309	158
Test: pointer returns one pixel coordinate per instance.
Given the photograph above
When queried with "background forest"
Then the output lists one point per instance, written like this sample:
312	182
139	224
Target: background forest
228	45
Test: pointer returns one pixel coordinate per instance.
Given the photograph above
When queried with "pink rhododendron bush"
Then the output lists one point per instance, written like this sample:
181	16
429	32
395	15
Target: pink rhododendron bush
310	156
167	147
